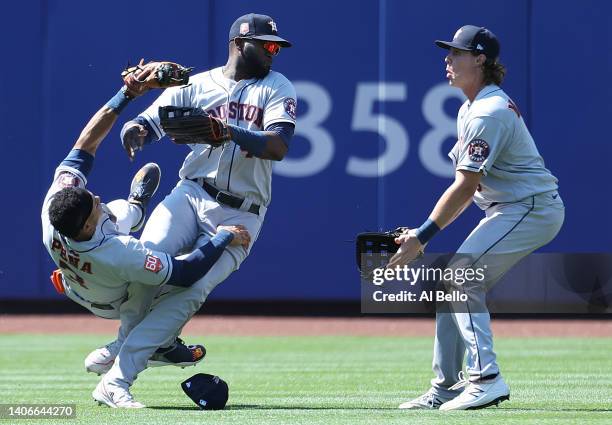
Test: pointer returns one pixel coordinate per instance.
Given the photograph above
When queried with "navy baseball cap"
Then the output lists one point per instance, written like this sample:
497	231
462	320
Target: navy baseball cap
259	27
207	391
473	39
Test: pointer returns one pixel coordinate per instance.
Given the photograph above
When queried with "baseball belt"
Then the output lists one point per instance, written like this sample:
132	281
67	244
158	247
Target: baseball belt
224	197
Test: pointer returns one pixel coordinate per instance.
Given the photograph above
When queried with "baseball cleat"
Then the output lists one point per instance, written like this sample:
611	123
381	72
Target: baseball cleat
143	187
178	354
115	397
429	400
101	359
478	395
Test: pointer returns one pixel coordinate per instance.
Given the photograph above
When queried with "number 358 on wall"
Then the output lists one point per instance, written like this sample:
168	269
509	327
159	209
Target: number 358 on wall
397	143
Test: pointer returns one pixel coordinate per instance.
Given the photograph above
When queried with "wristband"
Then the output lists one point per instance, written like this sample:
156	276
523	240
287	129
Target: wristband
252	141
119	101
427	231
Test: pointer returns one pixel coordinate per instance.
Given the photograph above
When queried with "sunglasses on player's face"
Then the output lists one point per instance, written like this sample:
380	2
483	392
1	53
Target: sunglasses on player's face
271	47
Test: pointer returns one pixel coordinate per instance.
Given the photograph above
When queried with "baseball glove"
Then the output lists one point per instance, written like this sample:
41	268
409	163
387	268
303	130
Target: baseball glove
375	249
192	125
142	77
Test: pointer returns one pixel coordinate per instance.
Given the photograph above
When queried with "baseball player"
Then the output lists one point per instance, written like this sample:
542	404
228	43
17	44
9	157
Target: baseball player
221	185
97	259
498	166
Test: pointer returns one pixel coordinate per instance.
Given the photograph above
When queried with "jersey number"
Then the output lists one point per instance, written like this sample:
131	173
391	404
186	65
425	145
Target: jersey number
71	275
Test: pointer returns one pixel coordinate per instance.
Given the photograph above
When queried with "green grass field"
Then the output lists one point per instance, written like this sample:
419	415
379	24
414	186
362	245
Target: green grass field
316	380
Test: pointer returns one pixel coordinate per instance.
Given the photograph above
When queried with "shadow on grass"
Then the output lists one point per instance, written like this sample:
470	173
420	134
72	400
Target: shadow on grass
270	407
539	409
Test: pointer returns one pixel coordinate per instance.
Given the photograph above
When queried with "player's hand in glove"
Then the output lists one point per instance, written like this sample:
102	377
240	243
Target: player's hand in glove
133	138
193	125
143	77
241	235
409	250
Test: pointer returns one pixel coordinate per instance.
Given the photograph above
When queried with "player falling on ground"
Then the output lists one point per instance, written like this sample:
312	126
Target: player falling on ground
219	185
89	240
498	165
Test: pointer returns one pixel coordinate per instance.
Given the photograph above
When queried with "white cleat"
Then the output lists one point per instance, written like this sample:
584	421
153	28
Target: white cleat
478	395
101	359
429	400
115	397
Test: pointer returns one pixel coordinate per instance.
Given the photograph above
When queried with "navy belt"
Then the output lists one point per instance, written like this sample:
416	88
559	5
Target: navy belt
95	305
226	198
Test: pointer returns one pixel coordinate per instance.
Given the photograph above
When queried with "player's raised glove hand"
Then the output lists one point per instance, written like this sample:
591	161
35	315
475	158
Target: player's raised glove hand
133	138
410	249
143	77
241	235
192	125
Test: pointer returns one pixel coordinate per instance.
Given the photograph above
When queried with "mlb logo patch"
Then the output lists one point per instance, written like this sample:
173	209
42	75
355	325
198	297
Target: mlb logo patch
244	28
153	264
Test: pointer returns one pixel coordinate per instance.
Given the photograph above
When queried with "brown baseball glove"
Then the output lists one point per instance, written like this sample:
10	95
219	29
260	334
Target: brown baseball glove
142	77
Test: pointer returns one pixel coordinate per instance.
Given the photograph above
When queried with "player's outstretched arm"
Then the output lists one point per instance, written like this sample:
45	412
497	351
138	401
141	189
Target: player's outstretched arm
450	205
101	123
82	155
456	198
189	269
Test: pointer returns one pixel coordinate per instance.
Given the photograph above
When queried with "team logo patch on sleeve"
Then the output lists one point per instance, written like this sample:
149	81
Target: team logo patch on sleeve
153	264
290	107
67	180
478	150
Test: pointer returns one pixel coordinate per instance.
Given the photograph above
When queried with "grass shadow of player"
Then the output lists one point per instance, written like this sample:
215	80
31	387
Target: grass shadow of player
271	407
541	409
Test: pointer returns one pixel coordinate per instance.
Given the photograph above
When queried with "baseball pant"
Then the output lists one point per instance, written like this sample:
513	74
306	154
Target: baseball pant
186	218
508	233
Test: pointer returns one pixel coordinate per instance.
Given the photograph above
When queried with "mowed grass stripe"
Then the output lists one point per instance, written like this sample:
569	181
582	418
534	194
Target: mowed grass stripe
317	380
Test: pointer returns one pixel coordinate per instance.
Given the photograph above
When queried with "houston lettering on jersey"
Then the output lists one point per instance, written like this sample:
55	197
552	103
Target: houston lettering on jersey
240	111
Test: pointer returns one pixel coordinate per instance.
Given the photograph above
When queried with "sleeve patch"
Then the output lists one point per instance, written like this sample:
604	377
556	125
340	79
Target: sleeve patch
478	150
290	107
153	264
67	180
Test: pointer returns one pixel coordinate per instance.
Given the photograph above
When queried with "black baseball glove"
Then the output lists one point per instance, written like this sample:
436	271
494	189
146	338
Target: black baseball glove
375	249
192	125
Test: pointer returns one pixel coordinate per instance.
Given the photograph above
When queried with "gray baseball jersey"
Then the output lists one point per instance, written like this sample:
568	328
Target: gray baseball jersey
98	270
493	139
253	104
523	212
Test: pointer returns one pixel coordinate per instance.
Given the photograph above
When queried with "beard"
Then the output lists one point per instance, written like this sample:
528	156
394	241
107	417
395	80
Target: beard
253	65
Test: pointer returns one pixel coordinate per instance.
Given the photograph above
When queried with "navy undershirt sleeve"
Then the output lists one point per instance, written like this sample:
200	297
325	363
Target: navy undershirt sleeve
187	271
79	159
283	129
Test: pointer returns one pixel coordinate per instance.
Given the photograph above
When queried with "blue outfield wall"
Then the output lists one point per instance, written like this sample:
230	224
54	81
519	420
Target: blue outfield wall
375	120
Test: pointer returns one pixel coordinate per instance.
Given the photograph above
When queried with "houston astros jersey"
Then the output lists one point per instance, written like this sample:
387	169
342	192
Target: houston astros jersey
493	139
254	104
98	270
